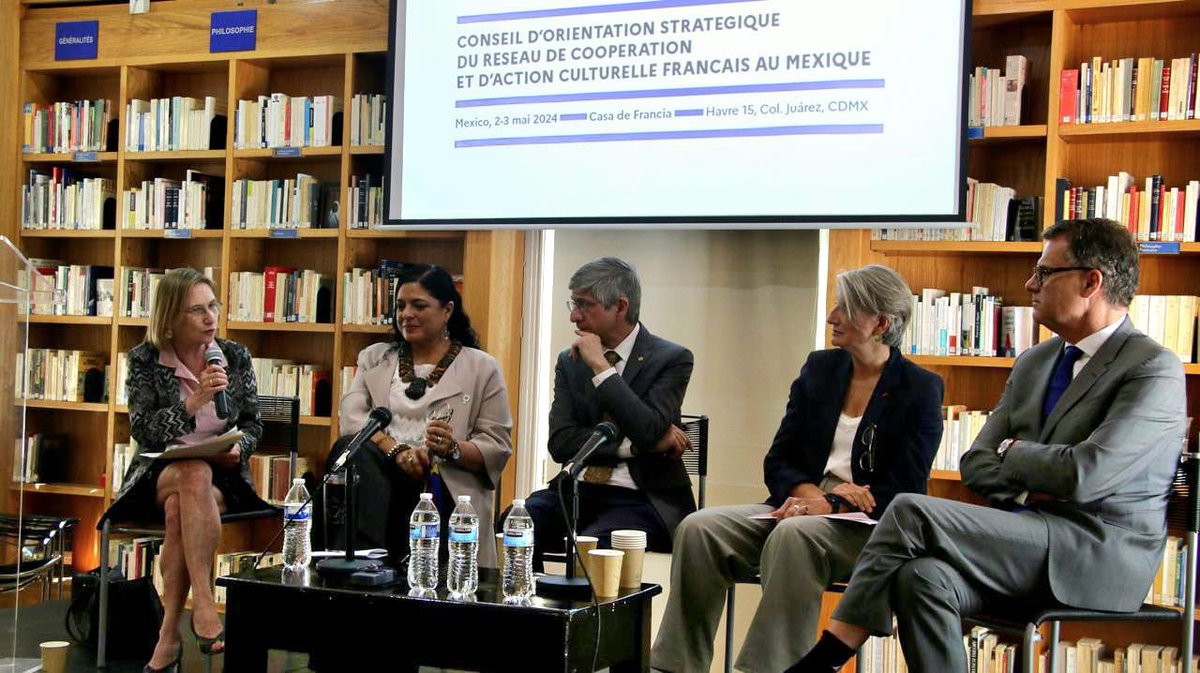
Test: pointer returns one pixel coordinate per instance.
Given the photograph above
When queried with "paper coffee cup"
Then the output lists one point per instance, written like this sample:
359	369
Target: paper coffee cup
583	545
54	656
605	568
631	568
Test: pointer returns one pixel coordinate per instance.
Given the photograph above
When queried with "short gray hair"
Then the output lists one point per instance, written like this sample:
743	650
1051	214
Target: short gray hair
876	290
608	279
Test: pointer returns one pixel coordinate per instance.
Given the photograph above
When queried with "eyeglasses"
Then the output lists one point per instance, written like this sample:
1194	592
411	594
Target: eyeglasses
1041	273
581	305
199	310
866	459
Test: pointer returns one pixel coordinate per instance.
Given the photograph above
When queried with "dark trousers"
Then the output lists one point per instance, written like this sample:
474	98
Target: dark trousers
602	509
384	501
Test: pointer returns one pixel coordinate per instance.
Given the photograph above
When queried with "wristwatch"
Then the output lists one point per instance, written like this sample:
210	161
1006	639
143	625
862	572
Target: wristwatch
835	501
455	451
1004	447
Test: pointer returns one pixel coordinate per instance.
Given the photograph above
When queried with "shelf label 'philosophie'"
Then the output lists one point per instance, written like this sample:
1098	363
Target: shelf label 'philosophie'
233	31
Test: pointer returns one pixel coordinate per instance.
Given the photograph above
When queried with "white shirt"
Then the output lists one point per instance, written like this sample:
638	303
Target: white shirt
620	474
838	464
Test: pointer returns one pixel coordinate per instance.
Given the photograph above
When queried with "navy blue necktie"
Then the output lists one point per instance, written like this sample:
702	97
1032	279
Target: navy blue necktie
1061	379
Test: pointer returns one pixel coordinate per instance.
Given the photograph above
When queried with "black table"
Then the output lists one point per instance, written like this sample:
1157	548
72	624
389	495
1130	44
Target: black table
356	628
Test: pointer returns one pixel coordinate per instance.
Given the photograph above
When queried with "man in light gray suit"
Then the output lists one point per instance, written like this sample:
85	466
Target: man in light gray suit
1076	463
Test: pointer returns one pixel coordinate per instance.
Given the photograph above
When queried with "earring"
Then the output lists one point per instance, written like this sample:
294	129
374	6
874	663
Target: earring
878	338
445	332
170	335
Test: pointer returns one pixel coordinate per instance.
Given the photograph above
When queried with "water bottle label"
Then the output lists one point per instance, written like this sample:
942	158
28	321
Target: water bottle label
428	531
464	535
521	538
293	513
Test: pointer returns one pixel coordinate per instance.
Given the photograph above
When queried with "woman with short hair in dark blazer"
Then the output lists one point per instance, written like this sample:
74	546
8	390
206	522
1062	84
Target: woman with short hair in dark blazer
171	391
862	424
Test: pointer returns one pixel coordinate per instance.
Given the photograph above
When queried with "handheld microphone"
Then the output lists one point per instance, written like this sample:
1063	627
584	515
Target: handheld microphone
601	435
214	356
378	418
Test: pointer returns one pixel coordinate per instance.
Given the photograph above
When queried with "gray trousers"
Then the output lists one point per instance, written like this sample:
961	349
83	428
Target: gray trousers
797	557
932	561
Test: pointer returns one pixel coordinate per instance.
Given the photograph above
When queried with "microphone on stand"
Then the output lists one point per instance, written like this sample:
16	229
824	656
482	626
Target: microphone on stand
379	418
214	356
601	435
577	588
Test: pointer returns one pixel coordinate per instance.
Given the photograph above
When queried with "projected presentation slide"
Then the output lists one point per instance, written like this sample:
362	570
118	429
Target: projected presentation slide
552	110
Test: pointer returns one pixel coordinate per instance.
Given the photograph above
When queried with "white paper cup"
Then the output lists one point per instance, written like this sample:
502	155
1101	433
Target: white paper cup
605	568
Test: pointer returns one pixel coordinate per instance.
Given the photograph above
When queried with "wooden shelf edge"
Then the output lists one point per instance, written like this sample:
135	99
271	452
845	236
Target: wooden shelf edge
412	235
67	233
82	490
323	421
172	234
93	407
961	361
321	328
69	320
1023	132
283	233
1192	370
1117	129
176	155
269	152
989	247
945	475
367	329
66	157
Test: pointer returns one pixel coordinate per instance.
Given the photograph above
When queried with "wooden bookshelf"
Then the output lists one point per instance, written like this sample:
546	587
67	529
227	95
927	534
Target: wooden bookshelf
1053	35
348	55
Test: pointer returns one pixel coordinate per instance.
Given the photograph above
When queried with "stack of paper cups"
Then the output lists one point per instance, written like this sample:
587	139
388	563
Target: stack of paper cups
633	543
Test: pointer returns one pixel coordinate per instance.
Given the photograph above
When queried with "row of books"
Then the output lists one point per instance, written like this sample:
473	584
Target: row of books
994	97
285	378
1153	213
62	198
280	120
1168	586
1128	89
292	203
368	119
175	123
137	558
960	323
67	126
960	427
280	294
64	289
1088	655
272	475
60	375
366	202
137	286
161	203
232	563
41	458
994	213
123	456
369	295
1168	319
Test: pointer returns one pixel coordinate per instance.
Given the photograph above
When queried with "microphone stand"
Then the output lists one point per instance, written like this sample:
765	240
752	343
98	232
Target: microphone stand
348	564
570	586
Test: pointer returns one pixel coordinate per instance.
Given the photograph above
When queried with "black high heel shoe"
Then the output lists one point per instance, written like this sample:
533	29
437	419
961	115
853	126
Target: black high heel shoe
208	646
172	667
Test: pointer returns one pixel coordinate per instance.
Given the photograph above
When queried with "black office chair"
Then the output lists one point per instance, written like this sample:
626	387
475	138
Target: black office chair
281	432
1183	513
696	461
40	542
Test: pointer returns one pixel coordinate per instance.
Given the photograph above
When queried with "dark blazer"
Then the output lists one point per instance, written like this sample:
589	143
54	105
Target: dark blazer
157	416
643	402
906	410
1107	454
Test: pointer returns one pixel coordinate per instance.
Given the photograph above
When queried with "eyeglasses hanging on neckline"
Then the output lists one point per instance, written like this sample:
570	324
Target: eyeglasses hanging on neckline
866	459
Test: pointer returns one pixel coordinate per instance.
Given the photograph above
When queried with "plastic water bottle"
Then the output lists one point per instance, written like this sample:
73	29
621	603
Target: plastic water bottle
517	584
463	575
424	537
297	512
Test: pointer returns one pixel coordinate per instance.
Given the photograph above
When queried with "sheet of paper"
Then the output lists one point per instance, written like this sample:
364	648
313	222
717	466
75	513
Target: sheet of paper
212	447
857	517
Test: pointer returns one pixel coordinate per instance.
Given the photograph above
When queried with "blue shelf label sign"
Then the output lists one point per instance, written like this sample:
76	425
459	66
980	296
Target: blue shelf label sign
284	233
76	40
1158	248
177	233
286	152
233	31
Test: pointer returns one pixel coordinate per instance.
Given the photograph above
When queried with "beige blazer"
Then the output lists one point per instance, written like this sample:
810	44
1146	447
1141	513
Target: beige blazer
474	388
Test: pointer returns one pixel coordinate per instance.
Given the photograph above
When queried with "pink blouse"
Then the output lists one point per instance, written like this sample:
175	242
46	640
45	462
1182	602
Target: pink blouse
207	423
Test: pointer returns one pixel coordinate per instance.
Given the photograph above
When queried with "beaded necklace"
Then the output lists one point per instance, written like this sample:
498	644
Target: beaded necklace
417	385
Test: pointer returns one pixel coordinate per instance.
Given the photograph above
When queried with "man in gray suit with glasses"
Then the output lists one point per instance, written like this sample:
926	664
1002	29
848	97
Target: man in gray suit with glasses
1076	463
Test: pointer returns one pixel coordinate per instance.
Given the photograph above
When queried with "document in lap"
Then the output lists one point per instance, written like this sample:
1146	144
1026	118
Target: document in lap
216	445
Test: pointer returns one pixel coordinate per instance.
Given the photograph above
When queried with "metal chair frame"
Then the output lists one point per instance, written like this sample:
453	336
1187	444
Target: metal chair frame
281	431
38	531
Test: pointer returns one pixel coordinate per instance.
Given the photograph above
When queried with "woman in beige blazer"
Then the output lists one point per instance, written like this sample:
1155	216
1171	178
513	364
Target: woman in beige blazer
450	428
